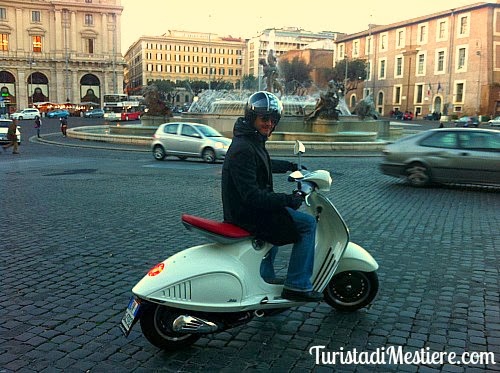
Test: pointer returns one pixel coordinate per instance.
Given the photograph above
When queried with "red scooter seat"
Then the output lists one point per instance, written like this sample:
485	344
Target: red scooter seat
220	232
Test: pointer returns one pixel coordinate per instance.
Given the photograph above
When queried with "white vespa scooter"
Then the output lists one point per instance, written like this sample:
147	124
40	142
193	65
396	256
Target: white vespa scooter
216	286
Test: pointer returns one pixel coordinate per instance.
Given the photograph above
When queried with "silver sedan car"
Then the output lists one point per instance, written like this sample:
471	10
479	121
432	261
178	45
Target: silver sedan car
186	140
445	155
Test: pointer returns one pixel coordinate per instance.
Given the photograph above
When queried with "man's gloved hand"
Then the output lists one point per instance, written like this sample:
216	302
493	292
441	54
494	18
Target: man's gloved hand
295	167
294	201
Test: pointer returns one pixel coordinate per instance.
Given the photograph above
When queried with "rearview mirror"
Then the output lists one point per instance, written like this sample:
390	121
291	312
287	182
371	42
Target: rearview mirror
299	148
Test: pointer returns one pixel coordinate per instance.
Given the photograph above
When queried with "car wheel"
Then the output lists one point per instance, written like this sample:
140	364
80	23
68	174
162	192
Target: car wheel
417	174
20	118
159	153
208	155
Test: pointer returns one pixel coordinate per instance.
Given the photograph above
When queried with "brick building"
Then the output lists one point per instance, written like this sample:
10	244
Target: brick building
447	62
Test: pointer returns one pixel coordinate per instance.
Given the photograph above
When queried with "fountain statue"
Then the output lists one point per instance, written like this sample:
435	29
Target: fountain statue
326	107
366	108
271	74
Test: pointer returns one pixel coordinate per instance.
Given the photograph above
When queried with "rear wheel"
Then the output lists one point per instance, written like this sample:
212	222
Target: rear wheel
417	174
208	155
156	324
351	290
159	153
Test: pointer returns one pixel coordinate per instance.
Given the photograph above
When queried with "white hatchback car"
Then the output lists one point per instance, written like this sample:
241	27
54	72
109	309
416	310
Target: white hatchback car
4	126
186	140
29	113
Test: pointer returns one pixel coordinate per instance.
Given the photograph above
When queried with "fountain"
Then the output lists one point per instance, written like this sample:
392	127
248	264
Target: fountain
322	119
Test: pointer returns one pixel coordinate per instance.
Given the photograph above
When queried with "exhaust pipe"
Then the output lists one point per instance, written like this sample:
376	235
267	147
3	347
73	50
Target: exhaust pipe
191	324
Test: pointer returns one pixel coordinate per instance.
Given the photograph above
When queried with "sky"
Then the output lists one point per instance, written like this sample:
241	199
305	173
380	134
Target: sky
246	18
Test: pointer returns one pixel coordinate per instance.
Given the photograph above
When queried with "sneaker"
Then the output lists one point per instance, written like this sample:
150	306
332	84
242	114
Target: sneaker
302	296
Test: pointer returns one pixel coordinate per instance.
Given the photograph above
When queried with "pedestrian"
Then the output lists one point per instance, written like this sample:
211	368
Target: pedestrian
64	126
441	125
12	137
250	202
38	125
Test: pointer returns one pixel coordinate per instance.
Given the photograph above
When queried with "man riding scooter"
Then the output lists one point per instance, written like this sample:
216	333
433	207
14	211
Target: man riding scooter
250	202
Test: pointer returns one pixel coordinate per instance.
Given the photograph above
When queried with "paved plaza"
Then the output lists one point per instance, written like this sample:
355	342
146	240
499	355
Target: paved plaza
81	226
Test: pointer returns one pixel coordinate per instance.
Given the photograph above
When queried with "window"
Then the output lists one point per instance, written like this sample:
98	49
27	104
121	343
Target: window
399	67
189	131
397	94
159	68
400	39
4	42
383	41
89	45
461	58
419	96
368	45
479	141
459	92
441	140
36	43
441	32
36	16
422	34
355	48
381	74
158	56
3	13
171	129
421	64
88	1
89	19
440	61
464	25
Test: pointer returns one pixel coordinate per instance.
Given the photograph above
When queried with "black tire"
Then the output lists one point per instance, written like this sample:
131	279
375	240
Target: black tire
159	153
156	322
351	290
418	175
208	155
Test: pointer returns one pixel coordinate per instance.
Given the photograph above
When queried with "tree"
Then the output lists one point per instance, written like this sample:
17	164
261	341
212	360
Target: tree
356	72
295	73
250	82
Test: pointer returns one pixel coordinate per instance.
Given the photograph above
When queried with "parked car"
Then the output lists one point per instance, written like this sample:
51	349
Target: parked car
28	113
444	155
4	126
58	113
494	122
185	140
467	121
94	113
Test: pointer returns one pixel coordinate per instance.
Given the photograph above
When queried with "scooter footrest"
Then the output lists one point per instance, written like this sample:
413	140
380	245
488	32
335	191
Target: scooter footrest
224	233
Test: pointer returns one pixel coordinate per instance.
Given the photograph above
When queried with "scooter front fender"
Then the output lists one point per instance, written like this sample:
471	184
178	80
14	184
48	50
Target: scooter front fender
356	258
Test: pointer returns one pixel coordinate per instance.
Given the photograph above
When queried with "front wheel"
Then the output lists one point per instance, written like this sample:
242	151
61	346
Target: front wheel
156	324
351	290
208	155
418	174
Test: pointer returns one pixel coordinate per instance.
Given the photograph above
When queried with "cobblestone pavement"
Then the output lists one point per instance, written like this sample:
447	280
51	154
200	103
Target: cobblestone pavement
81	226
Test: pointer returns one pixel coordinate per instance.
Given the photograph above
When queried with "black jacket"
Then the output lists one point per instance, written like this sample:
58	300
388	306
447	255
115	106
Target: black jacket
248	198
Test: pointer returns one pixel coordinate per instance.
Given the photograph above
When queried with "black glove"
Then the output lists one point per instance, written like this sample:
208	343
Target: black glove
295	167
294	201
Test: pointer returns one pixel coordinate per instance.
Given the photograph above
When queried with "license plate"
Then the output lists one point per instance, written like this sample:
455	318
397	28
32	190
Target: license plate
131	316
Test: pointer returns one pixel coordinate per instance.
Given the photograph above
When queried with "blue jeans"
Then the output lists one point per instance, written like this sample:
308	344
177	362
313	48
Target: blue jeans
300	266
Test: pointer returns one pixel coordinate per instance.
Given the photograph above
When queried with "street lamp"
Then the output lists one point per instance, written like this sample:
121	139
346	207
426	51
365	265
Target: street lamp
478	53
